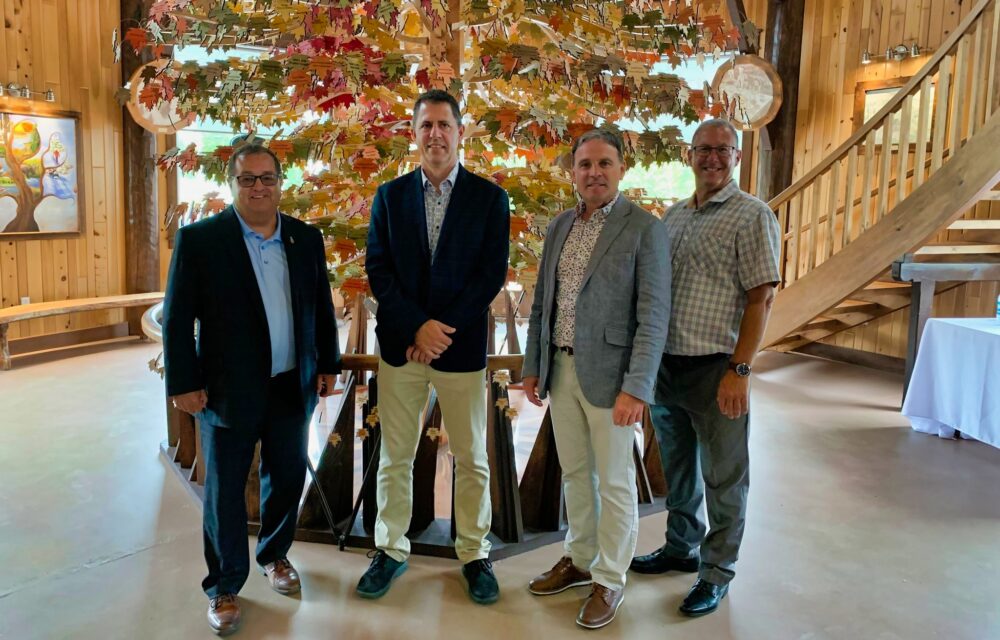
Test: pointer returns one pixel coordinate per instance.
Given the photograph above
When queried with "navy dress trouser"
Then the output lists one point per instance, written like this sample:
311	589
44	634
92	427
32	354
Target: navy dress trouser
228	450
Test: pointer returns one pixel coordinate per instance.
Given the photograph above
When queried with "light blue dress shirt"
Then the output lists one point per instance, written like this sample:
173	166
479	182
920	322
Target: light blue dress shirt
436	205
270	266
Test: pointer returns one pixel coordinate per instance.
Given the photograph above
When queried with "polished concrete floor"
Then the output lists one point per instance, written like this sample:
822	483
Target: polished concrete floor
858	528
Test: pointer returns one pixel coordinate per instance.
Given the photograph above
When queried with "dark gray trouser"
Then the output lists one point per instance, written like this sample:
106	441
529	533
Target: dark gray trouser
704	453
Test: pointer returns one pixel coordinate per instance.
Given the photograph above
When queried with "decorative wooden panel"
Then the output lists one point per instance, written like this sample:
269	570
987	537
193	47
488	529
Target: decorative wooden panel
65	45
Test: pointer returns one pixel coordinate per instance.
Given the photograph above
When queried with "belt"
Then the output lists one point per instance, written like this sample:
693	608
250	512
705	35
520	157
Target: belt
568	350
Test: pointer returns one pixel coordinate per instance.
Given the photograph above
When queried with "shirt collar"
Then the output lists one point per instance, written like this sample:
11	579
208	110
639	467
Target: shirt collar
602	211
247	231
723	194
452	176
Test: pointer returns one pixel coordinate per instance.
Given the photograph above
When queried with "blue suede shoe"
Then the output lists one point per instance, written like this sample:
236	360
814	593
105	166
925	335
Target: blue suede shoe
379	576
483	587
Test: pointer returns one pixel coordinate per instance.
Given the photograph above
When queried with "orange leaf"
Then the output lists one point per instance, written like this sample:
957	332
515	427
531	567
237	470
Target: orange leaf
345	247
298	78
517	225
354	285
223	153
150	95
281	148
136	37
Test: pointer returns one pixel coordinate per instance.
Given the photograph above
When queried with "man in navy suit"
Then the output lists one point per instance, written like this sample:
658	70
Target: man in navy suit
256	283
436	257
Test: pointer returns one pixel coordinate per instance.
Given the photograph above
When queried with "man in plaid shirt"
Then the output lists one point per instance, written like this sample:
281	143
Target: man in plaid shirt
724	251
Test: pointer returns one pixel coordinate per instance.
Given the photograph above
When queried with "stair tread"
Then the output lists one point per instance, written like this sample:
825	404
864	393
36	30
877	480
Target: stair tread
956	246
974	224
879	284
850	304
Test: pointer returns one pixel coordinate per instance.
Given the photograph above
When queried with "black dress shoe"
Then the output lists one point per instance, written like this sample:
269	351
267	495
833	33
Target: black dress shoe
483	587
703	598
660	562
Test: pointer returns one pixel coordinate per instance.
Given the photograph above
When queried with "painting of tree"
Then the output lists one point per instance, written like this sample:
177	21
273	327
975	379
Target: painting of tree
38	174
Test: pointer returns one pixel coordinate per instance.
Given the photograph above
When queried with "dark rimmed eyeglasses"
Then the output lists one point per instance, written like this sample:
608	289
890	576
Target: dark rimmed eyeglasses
704	151
248	180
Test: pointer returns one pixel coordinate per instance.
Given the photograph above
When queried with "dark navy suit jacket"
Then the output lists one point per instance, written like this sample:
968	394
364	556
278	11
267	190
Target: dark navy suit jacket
211	280
468	270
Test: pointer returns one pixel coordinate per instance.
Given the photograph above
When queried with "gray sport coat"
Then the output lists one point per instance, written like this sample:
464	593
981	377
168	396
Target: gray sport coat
622	311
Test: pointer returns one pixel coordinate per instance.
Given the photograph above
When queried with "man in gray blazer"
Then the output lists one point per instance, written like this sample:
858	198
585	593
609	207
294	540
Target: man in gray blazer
595	339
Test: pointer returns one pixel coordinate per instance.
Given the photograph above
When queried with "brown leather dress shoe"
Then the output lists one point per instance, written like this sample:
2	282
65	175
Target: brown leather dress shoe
224	614
559	578
601	607
283	577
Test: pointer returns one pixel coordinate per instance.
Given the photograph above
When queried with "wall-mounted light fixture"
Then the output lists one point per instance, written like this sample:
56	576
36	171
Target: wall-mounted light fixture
897	54
15	90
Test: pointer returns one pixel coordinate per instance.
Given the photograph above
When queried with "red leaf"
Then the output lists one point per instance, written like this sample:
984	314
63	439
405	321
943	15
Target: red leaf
136	37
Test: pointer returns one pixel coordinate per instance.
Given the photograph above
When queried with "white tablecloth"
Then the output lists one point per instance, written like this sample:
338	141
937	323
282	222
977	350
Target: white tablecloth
956	380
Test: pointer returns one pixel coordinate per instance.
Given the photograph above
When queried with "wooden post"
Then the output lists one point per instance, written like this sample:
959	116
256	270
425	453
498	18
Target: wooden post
142	239
4	349
783	49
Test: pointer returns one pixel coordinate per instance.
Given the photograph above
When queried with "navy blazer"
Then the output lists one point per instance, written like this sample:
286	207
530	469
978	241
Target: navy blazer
468	270
212	281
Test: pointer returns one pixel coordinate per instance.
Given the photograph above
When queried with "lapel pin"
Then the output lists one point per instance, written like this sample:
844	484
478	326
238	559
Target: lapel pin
291	239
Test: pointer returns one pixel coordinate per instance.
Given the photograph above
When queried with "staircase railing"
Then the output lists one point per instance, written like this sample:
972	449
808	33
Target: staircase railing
864	179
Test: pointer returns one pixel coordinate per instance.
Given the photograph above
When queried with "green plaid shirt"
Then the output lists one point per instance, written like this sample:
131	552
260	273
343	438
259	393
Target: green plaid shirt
719	252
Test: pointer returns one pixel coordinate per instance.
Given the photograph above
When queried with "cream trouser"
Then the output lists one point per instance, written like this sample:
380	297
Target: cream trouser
402	393
598	479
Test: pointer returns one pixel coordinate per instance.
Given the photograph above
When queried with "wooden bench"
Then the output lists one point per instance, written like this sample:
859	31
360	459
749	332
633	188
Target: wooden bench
61	307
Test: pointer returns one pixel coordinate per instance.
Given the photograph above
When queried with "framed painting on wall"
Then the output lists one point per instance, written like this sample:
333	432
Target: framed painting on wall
40	186
871	96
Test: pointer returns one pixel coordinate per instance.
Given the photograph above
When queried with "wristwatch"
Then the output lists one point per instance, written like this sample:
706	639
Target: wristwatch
742	369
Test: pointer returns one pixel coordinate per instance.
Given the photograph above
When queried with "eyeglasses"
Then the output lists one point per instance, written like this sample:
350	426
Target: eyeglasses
703	151
268	180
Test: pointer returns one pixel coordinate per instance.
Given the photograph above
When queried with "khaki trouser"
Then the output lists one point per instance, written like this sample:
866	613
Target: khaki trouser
598	479
402	393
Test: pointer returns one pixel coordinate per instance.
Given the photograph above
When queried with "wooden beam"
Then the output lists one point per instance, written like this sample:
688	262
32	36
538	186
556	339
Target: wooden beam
142	229
918	271
738	16
783	49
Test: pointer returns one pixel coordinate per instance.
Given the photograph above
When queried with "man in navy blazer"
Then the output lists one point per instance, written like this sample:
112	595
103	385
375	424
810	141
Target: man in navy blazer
255	281
436	258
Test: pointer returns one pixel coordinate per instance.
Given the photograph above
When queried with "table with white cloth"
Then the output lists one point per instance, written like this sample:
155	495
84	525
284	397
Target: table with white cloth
956	380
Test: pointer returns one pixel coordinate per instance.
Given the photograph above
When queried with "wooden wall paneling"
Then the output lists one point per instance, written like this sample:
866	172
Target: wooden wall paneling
880	23
63	45
897	20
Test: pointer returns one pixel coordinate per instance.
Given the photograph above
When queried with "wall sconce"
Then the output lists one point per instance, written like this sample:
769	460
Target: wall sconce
897	54
15	90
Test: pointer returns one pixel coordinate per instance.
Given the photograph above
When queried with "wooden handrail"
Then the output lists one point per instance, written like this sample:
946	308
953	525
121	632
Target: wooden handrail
890	107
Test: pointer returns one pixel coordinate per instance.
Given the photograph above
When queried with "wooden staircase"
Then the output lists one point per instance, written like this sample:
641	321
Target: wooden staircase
862	208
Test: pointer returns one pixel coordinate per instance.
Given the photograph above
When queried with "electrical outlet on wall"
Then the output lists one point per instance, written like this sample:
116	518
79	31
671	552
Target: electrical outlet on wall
25	300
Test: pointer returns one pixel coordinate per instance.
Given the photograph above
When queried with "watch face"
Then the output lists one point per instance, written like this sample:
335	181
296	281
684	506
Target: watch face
742	369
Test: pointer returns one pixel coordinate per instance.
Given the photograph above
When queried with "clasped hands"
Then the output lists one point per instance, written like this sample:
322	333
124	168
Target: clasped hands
430	342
